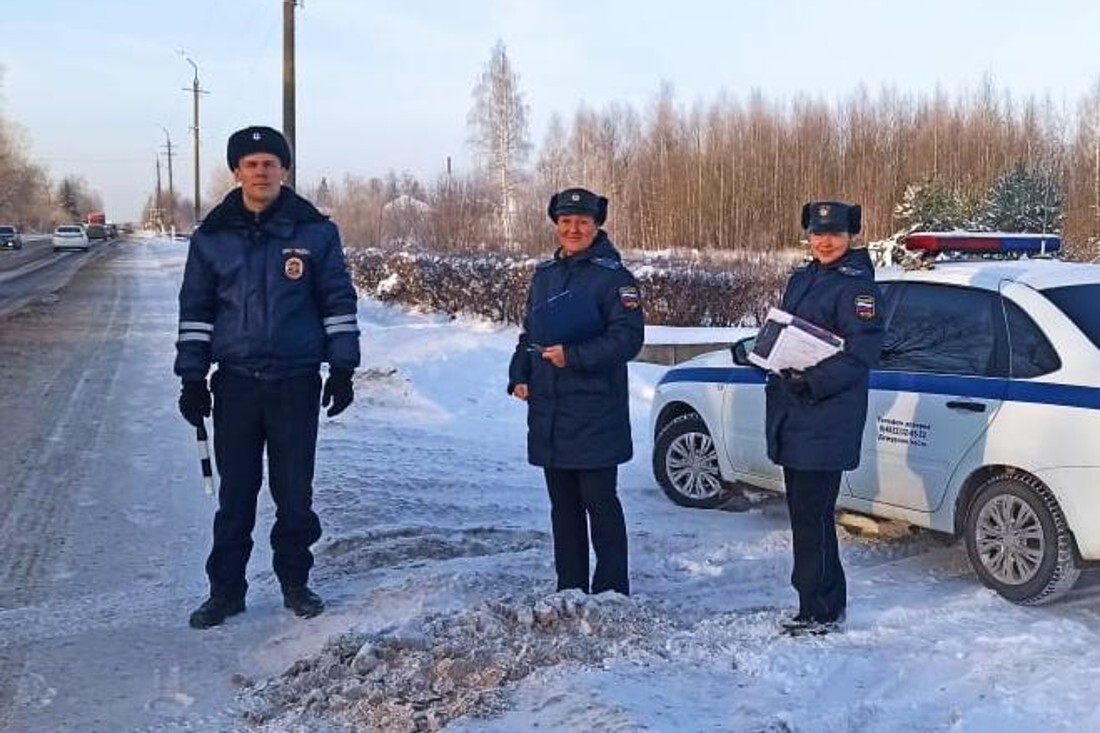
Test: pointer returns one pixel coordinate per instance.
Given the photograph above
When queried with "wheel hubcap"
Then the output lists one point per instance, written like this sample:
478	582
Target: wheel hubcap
692	465
1009	539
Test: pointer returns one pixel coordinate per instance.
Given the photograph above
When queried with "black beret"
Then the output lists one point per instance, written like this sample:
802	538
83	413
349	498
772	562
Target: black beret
257	139
832	216
578	201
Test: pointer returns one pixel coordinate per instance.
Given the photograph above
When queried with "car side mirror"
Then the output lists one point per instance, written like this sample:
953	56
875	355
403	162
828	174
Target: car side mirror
740	351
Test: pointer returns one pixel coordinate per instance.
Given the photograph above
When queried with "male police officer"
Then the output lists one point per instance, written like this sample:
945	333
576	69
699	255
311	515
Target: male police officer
583	324
267	297
815	417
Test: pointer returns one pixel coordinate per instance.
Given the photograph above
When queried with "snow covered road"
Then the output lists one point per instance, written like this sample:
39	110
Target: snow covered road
437	567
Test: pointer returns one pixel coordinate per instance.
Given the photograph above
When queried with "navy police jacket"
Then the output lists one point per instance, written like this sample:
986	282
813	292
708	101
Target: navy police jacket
578	416
268	295
820	429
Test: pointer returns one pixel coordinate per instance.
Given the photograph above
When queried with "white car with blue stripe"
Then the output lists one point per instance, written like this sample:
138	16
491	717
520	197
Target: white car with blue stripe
983	419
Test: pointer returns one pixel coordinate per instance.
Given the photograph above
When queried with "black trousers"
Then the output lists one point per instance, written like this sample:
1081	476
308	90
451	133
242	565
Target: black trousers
818	575
582	501
249	415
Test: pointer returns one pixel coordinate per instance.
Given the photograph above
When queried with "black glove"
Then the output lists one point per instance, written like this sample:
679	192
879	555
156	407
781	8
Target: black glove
795	381
194	401
338	391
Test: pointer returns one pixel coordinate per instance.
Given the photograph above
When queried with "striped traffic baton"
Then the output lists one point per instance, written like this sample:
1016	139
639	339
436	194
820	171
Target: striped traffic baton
204	459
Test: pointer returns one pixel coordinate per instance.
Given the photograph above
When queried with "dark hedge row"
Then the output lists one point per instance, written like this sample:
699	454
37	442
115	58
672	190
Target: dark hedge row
495	286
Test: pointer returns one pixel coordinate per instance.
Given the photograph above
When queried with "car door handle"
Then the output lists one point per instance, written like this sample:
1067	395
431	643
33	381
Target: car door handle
963	405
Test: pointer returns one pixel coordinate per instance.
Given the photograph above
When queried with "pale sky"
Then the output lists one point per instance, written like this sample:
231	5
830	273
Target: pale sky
387	85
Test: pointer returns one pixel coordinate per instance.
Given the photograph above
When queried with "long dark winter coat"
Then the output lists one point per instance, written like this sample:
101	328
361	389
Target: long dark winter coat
822	430
578	416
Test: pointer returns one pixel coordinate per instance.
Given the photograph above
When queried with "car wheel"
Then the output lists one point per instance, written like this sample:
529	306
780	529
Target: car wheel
685	462
1018	541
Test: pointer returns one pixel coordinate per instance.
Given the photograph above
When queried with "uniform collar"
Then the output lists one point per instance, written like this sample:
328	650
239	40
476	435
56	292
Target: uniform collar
601	247
854	258
286	211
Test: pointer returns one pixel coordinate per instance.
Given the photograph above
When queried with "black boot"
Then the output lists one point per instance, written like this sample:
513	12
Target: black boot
806	625
215	610
303	602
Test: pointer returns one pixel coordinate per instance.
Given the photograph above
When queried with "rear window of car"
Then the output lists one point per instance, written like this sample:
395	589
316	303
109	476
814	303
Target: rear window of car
1079	303
68	230
7	230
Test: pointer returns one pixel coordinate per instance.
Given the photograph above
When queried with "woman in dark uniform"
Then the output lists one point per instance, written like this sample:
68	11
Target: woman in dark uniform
583	324
815	417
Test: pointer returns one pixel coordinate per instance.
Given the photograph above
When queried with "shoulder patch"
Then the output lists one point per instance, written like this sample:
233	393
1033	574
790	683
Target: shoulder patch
608	263
865	306
629	297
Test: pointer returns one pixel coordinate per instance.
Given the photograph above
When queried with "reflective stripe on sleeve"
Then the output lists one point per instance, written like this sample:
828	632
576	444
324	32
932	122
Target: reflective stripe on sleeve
196	326
193	336
343	328
333	320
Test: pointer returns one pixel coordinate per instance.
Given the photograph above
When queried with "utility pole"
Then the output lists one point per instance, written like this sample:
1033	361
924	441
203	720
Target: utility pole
195	92
157	215
171	187
288	86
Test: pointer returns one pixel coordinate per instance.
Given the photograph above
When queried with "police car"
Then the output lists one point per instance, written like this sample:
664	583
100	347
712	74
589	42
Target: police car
983	419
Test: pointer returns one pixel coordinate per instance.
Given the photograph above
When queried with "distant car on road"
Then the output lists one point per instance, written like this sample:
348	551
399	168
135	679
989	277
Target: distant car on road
70	236
10	238
97	232
982	419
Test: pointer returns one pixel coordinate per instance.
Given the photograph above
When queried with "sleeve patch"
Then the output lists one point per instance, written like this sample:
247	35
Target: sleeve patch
629	297
865	306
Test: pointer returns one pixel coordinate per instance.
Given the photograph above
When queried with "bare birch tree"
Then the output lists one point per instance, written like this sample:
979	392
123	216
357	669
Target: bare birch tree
499	135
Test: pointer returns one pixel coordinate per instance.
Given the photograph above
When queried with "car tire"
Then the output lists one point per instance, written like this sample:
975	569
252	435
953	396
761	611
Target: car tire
1018	540
685	463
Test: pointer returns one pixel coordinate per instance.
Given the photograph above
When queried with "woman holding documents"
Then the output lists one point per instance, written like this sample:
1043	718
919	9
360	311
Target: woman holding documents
815	415
583	324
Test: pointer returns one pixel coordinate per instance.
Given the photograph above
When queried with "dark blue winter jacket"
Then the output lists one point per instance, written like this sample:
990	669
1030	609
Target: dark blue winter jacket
819	425
578	416
266	295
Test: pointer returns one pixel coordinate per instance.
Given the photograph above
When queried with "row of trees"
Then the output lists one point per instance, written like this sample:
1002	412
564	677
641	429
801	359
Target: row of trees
732	174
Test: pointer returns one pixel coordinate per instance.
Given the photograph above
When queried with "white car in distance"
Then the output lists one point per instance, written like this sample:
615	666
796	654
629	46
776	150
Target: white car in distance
70	236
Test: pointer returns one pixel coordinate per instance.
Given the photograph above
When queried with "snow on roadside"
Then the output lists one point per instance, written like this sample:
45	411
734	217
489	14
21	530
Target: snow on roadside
451	665
438	560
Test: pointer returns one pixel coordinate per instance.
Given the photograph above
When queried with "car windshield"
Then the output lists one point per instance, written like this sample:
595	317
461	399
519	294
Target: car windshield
68	230
7	230
1079	303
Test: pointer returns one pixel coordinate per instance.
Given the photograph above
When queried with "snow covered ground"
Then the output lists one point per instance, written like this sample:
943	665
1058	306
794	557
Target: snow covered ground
438	557
436	565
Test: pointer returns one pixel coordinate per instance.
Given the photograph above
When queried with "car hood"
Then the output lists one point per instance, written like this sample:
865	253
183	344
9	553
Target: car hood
720	358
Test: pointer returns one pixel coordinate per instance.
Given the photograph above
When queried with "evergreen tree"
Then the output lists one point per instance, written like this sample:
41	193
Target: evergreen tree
1023	200
934	207
68	198
323	196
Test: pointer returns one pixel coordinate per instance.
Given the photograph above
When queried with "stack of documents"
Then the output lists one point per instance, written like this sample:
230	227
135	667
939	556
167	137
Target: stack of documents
788	342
